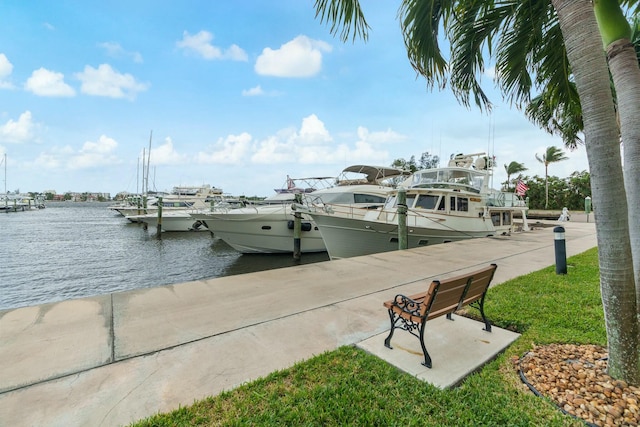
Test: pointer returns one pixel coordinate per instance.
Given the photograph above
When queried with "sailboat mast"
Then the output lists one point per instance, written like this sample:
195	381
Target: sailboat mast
6	196
149	159
138	178
144	155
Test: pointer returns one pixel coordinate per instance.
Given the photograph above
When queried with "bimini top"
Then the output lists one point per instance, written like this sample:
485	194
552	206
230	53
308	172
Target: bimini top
366	174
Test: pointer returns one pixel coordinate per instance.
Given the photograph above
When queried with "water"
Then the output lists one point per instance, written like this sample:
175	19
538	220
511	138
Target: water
73	250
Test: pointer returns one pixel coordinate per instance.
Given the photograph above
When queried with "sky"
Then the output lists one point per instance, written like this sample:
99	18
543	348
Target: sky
237	95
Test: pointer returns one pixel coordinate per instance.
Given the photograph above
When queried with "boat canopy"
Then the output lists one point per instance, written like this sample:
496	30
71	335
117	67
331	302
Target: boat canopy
366	174
451	178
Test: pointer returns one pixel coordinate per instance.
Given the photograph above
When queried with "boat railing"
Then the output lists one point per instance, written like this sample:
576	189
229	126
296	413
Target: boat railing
505	199
346	210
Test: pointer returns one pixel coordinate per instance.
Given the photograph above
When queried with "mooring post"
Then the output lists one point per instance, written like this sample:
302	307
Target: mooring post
403	235
587	206
560	249
159	226
297	228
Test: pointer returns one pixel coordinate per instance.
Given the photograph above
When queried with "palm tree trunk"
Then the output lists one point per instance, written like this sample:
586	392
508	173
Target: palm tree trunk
546	187
584	50
626	77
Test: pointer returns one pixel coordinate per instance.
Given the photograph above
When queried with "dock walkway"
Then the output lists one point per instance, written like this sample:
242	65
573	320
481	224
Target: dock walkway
114	359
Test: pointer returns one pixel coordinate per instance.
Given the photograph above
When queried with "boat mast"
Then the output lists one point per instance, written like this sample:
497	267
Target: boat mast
6	197
148	161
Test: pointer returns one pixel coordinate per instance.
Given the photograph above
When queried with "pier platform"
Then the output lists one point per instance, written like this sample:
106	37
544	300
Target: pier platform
113	359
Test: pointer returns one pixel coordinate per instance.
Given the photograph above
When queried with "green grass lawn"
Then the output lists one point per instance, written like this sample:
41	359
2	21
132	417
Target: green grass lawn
351	387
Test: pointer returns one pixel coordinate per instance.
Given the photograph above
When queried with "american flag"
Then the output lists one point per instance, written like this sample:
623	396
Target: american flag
521	188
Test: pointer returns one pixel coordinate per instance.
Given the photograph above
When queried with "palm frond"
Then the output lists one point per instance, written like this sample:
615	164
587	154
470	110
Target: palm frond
345	17
472	31
420	21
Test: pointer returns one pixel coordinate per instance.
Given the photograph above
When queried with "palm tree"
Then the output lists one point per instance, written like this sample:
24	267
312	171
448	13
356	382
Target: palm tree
618	36
552	155
512	169
524	36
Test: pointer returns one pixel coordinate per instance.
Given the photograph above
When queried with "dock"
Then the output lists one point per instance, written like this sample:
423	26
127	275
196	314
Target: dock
114	359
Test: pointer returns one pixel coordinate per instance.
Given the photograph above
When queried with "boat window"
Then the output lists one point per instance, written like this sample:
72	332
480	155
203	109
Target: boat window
495	218
368	198
391	202
506	218
460	204
441	203
410	199
427	201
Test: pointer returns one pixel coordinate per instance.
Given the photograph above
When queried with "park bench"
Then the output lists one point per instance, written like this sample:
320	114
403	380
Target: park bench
443	297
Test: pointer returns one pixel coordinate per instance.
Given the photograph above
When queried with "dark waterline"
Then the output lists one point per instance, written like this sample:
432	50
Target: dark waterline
74	250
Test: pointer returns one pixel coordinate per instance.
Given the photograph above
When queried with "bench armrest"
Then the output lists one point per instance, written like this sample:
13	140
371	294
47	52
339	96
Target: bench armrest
408	305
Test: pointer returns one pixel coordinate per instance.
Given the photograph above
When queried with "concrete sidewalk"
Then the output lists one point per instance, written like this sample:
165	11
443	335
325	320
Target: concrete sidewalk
114	359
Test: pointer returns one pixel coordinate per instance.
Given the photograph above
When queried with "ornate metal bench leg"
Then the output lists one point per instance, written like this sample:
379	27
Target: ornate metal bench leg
449	316
427	358
387	341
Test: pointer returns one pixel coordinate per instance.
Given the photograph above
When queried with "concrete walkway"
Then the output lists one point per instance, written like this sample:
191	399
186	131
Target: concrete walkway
114	359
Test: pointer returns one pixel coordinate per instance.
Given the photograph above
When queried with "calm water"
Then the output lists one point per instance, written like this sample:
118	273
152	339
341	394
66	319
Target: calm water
73	250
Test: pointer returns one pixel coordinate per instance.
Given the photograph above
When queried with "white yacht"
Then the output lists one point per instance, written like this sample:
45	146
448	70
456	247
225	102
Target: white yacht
182	220
443	205
180	198
268	227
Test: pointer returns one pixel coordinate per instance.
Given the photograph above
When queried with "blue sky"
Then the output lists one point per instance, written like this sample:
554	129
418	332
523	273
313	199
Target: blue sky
237	95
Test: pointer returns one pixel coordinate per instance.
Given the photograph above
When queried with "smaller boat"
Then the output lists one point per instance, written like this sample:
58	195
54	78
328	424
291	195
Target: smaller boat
16	201
180	198
182	219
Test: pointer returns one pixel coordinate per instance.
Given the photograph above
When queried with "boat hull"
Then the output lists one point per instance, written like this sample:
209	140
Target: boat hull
263	230
172	222
349	237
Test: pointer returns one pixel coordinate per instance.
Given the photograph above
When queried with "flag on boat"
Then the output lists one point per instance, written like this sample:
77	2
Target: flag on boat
521	188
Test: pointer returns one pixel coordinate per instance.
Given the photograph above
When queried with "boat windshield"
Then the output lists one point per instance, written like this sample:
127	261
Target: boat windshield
453	178
392	201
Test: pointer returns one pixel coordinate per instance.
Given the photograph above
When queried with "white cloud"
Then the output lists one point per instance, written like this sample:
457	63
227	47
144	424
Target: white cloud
313	132
105	81
165	154
93	154
301	57
44	82
6	68
200	44
49	27
491	72
116	51
376	138
54	158
313	144
232	150
18	131
254	91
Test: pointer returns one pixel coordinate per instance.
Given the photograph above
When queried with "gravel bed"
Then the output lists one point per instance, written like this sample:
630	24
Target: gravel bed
575	378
